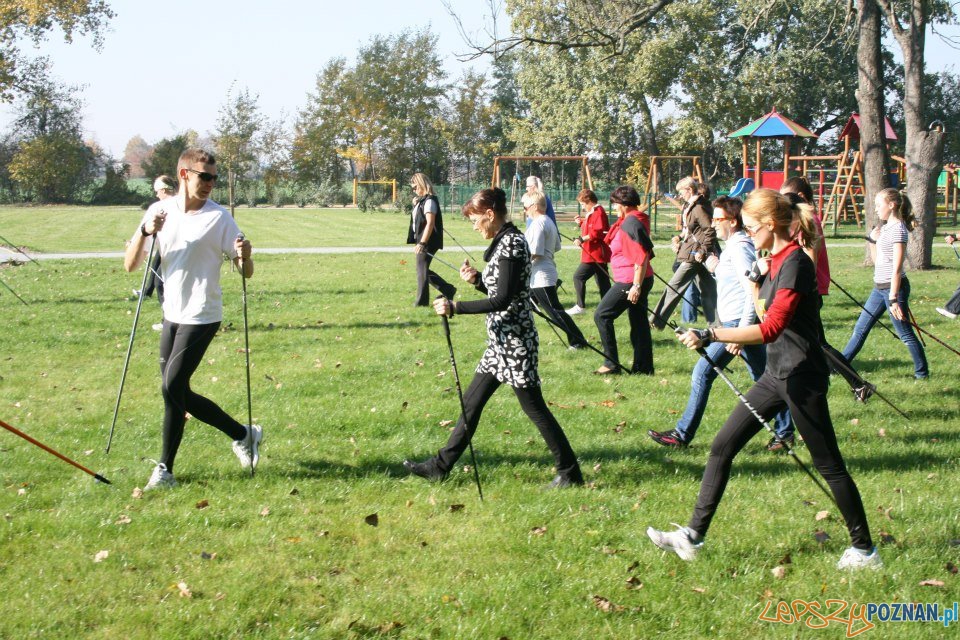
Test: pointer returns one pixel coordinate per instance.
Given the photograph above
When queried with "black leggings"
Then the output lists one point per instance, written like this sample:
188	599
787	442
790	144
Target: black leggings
425	276
586	270
546	298
531	400
806	397
181	350
609	309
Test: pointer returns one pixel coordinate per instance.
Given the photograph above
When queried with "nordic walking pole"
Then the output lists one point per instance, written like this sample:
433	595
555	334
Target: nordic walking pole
19	250
442	261
14	430
133	333
553	323
922	330
682	296
746	403
463	407
246	351
458	244
857	302
913	320
13	292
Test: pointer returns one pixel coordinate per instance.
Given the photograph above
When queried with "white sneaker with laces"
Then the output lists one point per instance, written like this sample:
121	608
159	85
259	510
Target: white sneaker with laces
856	559
248	449
678	541
946	313
160	478
575	310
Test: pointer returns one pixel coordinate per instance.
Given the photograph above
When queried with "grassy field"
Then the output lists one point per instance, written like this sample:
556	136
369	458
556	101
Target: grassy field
348	379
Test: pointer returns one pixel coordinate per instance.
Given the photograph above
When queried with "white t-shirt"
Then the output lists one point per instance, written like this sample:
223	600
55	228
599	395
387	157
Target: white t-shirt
192	251
544	240
893	232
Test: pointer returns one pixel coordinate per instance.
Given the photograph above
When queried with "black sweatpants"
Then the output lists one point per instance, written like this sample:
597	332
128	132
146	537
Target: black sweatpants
531	400
806	397
182	347
546	298
609	309
587	270
426	277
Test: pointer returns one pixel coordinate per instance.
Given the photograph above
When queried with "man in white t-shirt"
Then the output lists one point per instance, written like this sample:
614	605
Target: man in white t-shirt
193	235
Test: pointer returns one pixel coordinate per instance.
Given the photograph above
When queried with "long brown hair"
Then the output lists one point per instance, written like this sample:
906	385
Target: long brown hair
769	206
902	207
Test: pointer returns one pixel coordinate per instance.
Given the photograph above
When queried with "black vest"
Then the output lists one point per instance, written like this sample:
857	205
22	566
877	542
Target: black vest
419	222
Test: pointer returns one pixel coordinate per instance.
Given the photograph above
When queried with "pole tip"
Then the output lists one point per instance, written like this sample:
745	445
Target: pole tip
99	478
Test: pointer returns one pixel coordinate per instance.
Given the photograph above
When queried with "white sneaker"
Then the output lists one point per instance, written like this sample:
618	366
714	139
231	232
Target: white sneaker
160	478
678	541
946	313
248	449
855	559
575	310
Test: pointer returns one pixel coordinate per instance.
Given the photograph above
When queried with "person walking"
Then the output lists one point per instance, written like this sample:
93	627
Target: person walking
193	234
426	234
952	308
796	377
543	238
511	356
891	289
630	253
164	187
594	252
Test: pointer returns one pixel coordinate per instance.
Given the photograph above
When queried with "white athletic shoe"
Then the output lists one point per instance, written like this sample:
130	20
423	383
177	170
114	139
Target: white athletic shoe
575	310
248	449
946	313
856	559
678	541
160	478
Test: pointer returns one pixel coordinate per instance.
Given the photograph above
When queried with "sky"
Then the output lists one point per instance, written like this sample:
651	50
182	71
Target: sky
168	67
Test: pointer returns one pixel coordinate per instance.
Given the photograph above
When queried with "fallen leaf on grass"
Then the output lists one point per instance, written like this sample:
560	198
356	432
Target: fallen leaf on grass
373	520
294	539
294	492
456	507
390	626
951	568
220	595
446	423
538	531
886	538
822	515
821	536
606	606
633	582
887	512
264	512
610	551
855	421
607	403
203	504
785	559
88	452
137	493
699	590
596	467
779	572
208	556
183	590
931	583
882	433
100	556
123	519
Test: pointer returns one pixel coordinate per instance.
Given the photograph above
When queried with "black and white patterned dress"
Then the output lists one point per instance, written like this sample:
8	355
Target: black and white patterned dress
512	341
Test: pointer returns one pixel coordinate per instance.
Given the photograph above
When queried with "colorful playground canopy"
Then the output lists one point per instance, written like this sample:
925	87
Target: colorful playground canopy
773	125
852	128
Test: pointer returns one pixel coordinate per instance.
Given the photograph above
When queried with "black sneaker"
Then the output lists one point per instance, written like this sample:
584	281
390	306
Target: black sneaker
783	444
668	438
862	394
428	469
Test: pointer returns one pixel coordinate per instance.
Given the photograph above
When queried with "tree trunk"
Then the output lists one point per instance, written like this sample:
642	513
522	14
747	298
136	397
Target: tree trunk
924	148
876	157
648	130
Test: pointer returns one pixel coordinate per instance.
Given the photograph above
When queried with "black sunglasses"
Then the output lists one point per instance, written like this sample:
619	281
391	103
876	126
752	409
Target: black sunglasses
203	175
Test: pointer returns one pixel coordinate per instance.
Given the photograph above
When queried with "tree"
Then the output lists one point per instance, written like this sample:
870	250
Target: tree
136	151
33	20
237	137
320	132
924	146
163	159
468	124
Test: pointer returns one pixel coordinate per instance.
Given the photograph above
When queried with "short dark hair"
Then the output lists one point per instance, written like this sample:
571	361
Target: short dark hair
625	195
494	199
731	207
799	185
193	156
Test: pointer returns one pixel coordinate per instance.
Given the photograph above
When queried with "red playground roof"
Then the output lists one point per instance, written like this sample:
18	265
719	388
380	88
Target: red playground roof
852	128
773	125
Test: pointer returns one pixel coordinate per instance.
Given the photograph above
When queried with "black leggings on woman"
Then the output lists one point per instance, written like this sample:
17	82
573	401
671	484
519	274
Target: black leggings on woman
181	350
546	298
806	397
587	270
531	400
609	309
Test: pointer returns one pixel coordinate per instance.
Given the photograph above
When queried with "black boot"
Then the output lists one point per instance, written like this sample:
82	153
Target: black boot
429	469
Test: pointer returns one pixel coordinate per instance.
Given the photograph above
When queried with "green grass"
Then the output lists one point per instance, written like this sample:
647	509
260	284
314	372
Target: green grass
348	379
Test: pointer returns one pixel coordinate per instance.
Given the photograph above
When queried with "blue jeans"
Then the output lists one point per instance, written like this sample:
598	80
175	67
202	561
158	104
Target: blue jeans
876	304
691	300
755	355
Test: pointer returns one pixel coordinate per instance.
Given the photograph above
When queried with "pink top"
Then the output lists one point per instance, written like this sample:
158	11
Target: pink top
823	262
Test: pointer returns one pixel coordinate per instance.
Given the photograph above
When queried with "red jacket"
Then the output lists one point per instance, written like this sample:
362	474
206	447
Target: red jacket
594	228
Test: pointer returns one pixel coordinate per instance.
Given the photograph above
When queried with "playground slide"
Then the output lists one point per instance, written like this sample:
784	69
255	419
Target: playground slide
742	188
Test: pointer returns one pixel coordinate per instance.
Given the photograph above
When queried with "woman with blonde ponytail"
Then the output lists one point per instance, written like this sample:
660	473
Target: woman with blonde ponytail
796	377
891	289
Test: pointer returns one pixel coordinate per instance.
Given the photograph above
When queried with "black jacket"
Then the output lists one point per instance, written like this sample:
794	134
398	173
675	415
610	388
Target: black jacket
419	222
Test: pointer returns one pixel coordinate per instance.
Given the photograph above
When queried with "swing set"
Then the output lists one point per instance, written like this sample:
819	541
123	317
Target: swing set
516	189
